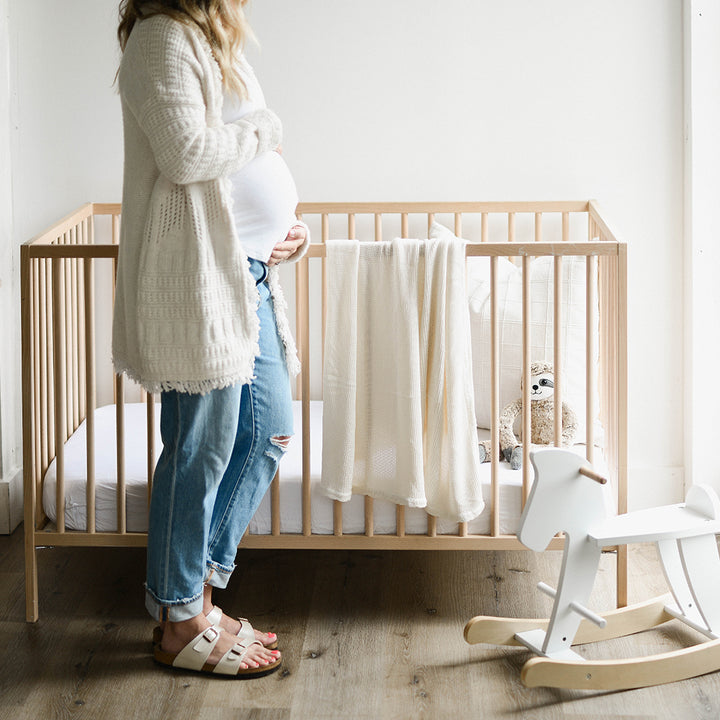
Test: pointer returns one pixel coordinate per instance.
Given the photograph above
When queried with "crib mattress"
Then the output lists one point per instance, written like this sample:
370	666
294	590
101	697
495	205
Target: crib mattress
290	510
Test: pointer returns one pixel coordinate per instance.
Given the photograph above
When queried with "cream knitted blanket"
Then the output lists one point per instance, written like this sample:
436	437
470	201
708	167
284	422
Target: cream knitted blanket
399	422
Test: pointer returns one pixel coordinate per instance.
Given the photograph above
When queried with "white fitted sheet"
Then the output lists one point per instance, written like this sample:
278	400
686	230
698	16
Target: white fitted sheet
75	465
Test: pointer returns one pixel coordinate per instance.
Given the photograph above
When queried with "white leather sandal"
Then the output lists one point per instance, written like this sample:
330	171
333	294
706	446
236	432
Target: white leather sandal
246	632
195	654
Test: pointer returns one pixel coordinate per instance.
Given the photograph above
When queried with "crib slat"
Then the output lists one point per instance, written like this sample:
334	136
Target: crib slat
557	327
275	505
494	400
526	362
69	341
404	225
337	518
41	349
431	526
511	231
369	517
302	288
74	299
59	339
378	227
35	312
115	229
50	362
120	452
150	420
590	379
324	294
400	520
82	378
44	311
557	351
89	295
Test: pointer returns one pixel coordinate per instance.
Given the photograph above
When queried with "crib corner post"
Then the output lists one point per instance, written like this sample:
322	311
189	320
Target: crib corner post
621	570
32	612
29	437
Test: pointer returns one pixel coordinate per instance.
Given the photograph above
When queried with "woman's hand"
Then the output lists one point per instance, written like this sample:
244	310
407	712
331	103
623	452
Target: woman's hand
289	246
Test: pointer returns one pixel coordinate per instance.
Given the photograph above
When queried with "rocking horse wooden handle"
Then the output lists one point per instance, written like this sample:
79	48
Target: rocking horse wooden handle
588	473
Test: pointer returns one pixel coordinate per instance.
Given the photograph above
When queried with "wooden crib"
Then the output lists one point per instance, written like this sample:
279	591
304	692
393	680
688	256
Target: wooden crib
67	291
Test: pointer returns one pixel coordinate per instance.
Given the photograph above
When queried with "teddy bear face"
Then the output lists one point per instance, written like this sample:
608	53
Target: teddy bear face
542	386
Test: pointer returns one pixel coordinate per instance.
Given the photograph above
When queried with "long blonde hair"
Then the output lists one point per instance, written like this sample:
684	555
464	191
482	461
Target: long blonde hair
222	22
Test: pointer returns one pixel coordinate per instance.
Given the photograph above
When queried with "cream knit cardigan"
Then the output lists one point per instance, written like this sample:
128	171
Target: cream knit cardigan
185	306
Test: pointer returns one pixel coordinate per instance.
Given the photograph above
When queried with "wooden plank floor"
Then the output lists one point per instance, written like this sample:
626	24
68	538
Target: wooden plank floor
364	635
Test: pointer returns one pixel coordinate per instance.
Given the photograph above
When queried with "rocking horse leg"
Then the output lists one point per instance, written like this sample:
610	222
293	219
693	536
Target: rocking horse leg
702	568
672	565
577	575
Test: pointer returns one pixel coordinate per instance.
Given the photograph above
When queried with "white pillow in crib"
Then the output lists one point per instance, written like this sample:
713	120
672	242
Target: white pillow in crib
541	329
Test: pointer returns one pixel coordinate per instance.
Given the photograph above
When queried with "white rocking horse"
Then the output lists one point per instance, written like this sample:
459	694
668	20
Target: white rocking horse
569	496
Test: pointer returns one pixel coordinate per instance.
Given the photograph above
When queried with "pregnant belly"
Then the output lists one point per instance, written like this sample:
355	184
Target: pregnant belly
264	202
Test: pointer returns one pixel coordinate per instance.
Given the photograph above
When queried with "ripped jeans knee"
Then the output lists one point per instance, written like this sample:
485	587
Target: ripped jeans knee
278	446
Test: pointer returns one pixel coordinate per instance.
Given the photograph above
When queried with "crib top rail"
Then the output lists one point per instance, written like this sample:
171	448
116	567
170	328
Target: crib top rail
75	235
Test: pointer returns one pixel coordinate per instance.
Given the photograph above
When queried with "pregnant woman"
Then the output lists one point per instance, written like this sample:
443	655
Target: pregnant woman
207	214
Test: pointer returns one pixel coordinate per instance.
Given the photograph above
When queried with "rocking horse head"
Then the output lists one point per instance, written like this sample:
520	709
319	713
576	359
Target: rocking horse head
561	499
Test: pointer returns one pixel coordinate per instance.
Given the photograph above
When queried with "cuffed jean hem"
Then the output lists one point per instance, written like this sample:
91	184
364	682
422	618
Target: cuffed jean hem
174	611
218	575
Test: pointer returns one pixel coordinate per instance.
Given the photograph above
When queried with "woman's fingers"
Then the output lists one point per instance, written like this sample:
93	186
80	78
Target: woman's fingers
285	249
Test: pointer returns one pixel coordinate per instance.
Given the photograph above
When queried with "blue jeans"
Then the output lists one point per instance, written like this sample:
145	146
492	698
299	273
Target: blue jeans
220	453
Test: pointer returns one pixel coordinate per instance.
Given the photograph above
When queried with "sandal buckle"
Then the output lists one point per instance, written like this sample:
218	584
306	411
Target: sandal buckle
211	634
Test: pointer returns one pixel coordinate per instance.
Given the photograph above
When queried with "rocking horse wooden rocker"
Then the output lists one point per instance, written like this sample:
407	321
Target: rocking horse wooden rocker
568	496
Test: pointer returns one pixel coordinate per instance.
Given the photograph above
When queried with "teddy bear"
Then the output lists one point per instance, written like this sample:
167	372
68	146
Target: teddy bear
542	416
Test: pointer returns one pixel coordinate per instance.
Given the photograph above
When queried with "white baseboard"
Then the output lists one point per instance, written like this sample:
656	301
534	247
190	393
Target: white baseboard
11	503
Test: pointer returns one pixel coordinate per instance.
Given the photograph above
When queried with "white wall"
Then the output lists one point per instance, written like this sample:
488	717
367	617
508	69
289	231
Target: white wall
702	298
515	100
68	136
10	442
7	267
422	99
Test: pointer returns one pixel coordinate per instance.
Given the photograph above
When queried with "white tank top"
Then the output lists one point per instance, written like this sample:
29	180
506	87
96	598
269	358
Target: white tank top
263	191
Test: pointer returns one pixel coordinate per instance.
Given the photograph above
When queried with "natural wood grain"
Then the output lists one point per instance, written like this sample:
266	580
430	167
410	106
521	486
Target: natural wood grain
364	633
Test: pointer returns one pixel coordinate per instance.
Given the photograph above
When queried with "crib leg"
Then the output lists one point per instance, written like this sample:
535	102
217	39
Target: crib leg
31	578
32	612
621	576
